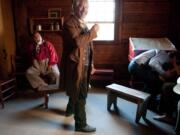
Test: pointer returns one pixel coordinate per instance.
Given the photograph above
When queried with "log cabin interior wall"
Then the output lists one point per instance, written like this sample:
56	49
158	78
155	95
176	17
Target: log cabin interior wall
135	18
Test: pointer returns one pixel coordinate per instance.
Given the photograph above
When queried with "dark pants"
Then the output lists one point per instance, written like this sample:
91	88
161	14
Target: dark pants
169	99
177	127
78	108
152	83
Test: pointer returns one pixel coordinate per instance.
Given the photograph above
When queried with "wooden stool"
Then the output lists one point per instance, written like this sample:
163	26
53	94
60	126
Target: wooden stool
135	96
7	89
45	94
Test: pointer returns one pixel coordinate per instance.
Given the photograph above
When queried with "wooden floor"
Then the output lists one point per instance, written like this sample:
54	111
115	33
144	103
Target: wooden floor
25	116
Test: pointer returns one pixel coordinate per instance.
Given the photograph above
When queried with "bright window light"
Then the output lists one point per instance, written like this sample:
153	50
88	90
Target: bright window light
103	13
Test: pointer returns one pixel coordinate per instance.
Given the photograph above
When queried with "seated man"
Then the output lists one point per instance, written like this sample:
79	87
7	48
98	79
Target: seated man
44	61
148	67
169	98
168	103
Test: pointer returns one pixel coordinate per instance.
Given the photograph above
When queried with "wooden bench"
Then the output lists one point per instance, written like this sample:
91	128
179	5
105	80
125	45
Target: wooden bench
103	74
135	96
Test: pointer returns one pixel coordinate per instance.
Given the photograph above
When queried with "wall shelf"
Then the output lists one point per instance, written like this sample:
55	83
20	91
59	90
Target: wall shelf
46	24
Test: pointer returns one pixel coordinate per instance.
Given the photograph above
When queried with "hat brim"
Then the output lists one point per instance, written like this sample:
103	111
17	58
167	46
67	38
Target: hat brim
176	89
178	80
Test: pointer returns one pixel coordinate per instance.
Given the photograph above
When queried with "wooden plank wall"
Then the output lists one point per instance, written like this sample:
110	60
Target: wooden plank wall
7	38
134	18
145	19
175	23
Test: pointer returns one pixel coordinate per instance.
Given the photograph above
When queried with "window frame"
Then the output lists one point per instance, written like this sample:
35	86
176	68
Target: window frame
116	29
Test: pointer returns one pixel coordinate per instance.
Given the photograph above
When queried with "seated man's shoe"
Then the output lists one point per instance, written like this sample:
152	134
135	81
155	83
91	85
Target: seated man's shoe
53	87
87	128
42	87
69	112
159	117
164	118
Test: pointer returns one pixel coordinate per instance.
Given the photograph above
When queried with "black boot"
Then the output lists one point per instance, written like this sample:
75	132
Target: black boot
86	128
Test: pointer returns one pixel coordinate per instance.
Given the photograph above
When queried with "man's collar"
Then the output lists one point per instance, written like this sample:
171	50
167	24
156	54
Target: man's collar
81	21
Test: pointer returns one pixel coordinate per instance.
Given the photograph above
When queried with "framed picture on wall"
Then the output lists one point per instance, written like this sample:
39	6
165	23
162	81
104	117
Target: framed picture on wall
54	13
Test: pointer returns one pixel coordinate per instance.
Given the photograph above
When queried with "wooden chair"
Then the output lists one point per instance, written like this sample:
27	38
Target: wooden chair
46	93
22	67
7	89
8	85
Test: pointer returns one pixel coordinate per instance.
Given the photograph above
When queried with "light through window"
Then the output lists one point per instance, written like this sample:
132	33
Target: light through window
103	13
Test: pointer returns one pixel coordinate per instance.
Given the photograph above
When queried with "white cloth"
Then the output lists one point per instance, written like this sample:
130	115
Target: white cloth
158	60
176	88
144	57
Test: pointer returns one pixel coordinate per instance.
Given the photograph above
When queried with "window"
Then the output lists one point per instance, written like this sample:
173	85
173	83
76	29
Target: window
103	13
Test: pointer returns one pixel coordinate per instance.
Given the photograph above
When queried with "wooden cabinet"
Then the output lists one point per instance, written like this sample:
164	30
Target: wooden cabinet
46	24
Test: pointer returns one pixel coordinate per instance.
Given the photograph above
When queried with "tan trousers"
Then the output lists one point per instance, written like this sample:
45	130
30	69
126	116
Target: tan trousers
41	68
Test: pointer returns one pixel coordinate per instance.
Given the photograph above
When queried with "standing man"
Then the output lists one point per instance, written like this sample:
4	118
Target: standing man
77	63
43	59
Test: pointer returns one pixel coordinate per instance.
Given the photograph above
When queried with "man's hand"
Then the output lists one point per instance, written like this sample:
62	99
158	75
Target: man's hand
93	70
161	78
49	69
167	75
95	27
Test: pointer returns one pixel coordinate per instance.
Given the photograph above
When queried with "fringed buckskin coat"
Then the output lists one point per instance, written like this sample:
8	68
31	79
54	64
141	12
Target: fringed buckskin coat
74	43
